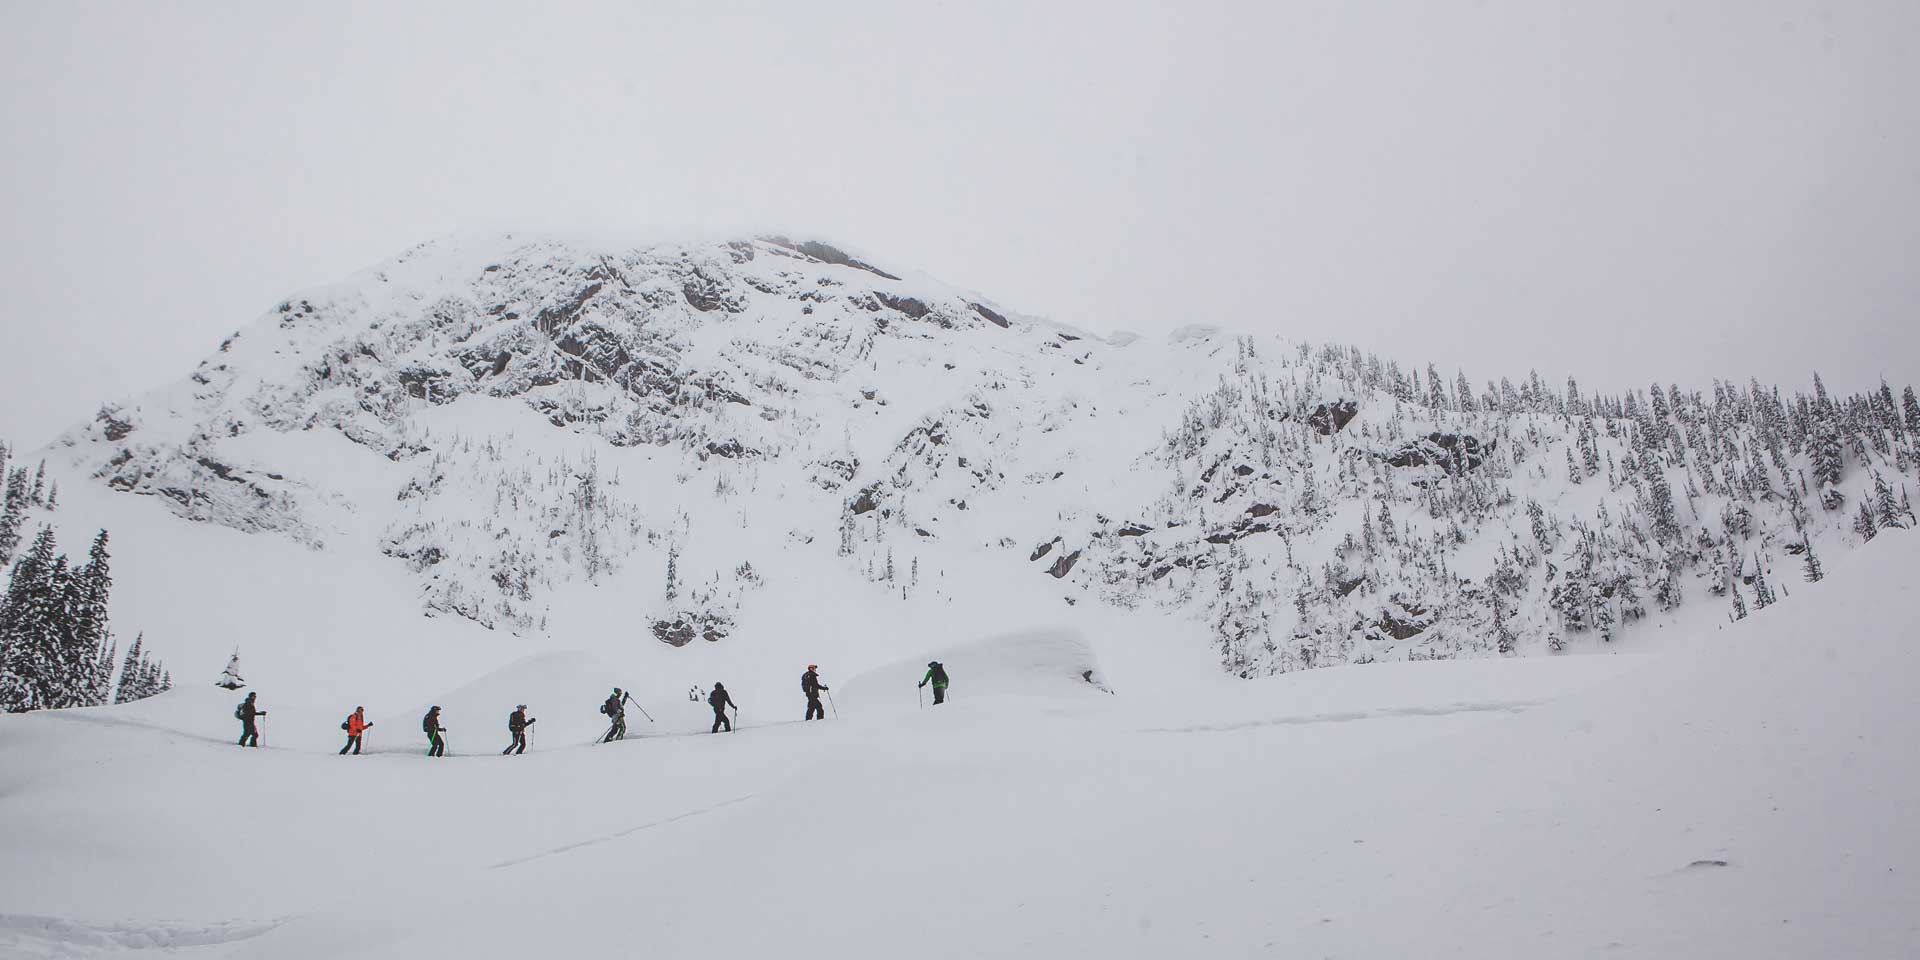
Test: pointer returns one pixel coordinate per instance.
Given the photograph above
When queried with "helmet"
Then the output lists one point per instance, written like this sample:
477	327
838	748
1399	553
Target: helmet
933	663
520	706
434	709
813	666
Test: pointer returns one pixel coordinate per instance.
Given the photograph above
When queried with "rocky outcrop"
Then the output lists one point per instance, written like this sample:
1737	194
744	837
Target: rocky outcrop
1455	453
1331	418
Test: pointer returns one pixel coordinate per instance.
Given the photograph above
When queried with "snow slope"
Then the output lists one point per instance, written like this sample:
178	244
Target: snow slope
1748	793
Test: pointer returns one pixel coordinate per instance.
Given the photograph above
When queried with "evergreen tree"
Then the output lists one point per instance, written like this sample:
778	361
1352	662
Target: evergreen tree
673	574
30	650
1888	509
1810	563
1660	510
13	514
87	615
230	678
1827	461
1910	405
103	674
1864	525
1762	593
129	687
1739	605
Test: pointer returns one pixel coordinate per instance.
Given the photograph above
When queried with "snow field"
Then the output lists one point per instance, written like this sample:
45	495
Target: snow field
1574	806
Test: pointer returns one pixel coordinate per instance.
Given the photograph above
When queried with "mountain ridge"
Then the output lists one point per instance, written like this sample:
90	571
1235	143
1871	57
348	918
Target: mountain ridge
1308	504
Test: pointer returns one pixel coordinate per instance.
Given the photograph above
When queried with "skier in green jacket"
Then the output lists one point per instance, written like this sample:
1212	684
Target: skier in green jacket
936	675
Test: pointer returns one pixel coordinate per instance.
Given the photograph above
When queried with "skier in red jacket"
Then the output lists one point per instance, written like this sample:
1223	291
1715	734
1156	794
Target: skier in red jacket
356	727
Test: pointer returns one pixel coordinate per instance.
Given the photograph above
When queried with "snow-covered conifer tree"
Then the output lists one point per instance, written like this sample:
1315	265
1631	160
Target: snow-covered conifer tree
230	677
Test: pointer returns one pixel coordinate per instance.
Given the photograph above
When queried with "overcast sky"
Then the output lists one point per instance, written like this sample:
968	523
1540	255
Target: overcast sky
1621	191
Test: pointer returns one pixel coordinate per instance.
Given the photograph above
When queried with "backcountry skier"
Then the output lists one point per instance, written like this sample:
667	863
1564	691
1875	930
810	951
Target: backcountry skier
810	685
937	675
517	724
616	710
436	746
720	701
245	713
355	725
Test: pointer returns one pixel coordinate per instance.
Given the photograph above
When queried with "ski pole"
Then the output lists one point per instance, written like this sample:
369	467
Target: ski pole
835	706
643	710
922	691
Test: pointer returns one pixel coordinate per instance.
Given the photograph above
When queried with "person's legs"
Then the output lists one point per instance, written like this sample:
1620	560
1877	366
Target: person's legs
249	734
939	695
349	746
815	710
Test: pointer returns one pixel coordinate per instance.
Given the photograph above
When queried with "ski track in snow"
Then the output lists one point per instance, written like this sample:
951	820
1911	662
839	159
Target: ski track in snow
28	935
1513	706
649	825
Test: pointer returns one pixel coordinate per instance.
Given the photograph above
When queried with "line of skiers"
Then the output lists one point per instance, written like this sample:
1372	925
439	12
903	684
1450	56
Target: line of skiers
615	709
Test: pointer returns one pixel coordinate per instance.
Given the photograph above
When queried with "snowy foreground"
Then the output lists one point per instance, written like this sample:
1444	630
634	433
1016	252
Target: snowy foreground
1751	793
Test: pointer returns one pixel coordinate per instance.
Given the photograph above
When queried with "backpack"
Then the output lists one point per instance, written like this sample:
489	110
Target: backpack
805	687
426	723
344	723
940	674
716	698
240	711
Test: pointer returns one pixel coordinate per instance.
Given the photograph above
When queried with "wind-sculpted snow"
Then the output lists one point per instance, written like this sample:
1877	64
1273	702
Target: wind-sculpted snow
523	417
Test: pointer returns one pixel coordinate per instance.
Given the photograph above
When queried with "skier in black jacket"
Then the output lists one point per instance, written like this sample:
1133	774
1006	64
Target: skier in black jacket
811	686
720	701
517	724
616	710
249	734
436	746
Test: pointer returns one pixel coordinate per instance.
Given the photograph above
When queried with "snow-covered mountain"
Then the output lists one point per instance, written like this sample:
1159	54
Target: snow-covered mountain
694	441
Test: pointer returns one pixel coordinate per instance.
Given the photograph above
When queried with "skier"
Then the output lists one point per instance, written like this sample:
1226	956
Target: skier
356	726
720	701
938	675
616	710
517	724
245	712
436	747
811	686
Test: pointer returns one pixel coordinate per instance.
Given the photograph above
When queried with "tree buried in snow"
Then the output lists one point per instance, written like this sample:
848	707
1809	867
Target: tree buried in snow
230	677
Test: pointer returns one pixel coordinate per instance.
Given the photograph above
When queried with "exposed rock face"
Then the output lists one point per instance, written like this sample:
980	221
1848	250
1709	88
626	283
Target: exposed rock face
1331	418
686	628
1453	452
